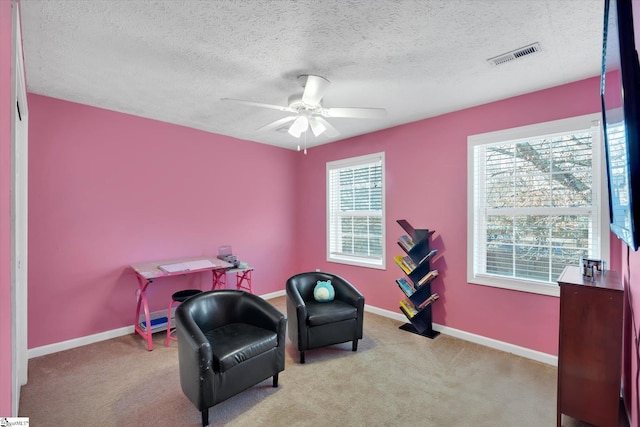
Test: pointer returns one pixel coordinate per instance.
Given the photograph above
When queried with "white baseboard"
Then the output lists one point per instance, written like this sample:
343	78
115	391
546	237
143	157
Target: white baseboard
274	294
102	336
385	313
478	339
539	356
78	342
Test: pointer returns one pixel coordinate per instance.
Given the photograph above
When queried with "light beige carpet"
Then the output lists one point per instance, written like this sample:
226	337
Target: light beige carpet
394	379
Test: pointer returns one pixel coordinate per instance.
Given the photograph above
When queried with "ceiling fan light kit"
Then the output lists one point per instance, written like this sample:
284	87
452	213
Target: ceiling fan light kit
308	111
316	126
300	125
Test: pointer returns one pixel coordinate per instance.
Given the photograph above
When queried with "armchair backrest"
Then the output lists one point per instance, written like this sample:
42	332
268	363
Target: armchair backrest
304	283
213	309
210	311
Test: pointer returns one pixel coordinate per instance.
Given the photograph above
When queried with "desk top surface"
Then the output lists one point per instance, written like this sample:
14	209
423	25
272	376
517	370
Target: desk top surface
151	270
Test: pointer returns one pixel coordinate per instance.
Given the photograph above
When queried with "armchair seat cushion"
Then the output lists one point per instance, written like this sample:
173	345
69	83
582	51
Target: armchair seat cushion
321	313
235	343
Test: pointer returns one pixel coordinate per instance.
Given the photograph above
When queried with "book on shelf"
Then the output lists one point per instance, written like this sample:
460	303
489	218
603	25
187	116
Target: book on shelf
408	307
428	277
406	287
406	242
402	263
428	256
428	301
409	262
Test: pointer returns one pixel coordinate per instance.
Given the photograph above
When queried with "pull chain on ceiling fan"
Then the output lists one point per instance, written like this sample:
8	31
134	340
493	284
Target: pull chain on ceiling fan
308	111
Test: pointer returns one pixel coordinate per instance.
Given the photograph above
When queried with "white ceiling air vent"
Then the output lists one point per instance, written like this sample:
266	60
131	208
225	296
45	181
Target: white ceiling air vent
515	54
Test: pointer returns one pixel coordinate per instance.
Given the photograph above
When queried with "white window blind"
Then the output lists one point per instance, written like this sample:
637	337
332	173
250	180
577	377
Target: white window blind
535	204
355	211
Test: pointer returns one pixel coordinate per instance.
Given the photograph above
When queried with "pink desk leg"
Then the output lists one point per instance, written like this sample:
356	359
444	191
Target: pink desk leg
219	278
244	276
142	302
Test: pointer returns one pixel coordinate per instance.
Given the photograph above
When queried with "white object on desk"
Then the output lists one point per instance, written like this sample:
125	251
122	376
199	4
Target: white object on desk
187	266
173	268
199	264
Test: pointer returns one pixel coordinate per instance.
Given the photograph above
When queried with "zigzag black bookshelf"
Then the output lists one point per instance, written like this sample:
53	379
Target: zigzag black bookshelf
416	284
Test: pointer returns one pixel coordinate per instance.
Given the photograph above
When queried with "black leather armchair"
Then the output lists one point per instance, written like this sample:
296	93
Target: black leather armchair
315	324
228	341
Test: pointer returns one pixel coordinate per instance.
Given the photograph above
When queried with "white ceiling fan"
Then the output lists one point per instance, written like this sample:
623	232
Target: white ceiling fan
308	112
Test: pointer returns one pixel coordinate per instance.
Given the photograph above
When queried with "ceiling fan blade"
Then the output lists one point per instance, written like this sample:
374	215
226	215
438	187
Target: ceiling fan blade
260	104
314	89
329	131
355	113
277	123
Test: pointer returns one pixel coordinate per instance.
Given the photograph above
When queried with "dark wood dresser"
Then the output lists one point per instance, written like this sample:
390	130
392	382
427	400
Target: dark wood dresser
590	348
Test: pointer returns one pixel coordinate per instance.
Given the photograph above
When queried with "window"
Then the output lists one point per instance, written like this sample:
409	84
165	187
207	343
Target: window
355	211
535	203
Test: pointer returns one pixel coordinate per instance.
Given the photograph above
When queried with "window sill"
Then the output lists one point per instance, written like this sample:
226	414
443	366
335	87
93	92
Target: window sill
529	286
357	262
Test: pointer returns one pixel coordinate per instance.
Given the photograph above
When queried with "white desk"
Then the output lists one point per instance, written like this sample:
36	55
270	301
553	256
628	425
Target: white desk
148	271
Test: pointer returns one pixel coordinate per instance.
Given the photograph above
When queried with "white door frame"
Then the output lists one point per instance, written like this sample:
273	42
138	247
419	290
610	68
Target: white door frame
19	216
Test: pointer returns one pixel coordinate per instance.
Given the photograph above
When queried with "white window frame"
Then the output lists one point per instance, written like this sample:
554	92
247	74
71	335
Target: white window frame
361	261
563	126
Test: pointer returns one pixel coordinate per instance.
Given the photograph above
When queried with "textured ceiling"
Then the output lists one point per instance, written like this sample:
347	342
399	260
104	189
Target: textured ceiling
173	60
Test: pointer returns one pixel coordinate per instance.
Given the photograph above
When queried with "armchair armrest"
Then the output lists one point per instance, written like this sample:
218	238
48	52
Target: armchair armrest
346	292
258	312
297	309
294	295
196	356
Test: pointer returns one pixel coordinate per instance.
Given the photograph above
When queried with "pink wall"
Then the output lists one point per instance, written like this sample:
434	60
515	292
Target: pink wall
103	185
426	164
5	207
109	189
